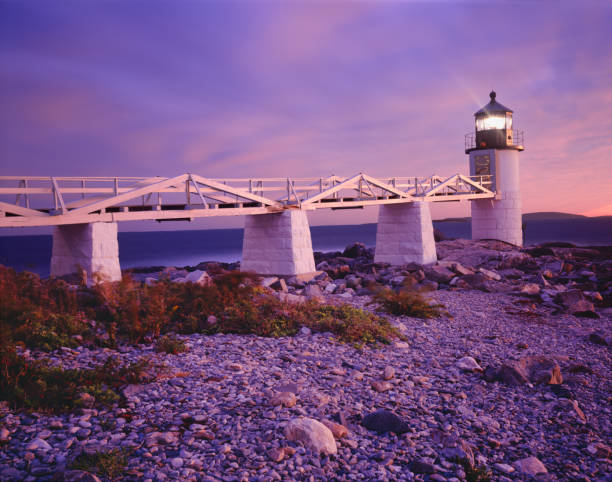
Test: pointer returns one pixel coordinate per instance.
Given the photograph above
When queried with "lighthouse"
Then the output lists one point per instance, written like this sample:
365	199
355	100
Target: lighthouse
494	160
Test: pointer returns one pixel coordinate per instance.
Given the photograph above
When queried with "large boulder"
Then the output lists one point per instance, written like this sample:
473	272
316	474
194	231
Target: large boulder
534	369
439	273
576	303
468	364
199	277
383	421
530	466
314	435
356	250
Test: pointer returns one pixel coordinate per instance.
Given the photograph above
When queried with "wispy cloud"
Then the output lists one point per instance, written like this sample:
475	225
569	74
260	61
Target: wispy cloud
305	89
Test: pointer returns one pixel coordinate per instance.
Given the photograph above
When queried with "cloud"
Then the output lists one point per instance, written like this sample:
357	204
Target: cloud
307	89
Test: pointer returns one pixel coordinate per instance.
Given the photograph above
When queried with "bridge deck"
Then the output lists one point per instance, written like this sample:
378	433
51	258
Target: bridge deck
48	201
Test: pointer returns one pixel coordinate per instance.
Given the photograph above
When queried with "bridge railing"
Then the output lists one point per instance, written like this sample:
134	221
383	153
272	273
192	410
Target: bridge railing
85	199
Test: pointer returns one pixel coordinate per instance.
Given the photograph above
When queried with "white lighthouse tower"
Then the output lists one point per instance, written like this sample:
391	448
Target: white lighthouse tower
494	159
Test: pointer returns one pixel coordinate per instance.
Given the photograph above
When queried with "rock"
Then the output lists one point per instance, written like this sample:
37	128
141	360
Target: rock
280	285
381	386
600	450
460	450
176	462
199	277
277	454
401	345
383	421
355	250
305	277
389	373
468	364
290	298
476	281
601	338
86	400
5	435
286	399
305	331
439	274
577	304
330	288
426	286
584	309
161	438
38	444
269	281
531	289
313	434
490	274
460	269
530	466
503	468
132	390
422	467
534	369
313	292
338	430
353	281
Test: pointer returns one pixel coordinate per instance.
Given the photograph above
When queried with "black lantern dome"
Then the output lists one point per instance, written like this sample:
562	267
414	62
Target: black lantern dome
494	128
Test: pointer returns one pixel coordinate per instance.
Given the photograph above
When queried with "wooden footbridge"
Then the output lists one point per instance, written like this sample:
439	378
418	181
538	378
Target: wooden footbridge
85	210
53	201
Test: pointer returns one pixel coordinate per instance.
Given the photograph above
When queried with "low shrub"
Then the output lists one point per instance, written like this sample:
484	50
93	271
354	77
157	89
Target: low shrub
405	302
47	314
110	464
39	313
350	324
170	345
37	386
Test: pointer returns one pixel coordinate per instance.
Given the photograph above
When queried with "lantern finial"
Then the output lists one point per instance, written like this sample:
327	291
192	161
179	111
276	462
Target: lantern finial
492	95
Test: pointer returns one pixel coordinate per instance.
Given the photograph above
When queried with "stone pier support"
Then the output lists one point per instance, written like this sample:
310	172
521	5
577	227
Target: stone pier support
405	234
92	248
501	218
277	244
498	219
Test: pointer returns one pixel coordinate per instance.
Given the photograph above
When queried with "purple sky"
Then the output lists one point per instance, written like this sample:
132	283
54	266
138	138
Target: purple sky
238	89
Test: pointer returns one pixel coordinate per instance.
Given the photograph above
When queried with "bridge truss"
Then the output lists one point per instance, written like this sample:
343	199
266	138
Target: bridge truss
48	201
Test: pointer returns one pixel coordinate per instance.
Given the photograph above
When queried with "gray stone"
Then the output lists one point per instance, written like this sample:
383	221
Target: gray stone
383	421
199	277
530	466
38	444
468	364
313	434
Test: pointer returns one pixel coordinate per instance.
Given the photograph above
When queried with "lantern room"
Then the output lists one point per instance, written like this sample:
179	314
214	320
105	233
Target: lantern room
494	129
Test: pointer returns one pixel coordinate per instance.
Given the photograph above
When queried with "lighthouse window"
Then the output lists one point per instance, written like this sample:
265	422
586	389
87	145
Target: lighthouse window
482	165
490	122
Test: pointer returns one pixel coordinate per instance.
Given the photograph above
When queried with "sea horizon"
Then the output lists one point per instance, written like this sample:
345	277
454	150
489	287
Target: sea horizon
181	248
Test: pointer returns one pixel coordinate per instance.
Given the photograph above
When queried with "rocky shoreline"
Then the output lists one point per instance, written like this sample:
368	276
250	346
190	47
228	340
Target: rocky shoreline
513	383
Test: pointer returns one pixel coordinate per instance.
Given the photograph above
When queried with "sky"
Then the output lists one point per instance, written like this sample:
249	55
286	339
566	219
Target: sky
308	89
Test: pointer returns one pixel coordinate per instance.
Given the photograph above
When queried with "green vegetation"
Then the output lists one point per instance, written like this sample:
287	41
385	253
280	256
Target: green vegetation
48	314
171	345
110	464
37	386
406	302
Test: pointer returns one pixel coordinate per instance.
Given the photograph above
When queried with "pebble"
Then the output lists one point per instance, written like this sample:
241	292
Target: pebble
217	416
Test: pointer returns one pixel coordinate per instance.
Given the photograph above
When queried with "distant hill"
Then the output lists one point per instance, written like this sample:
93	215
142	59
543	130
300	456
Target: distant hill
527	217
550	215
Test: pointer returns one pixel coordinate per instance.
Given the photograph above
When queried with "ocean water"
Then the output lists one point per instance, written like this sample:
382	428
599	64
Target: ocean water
188	248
